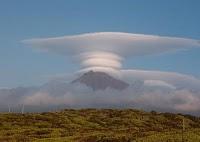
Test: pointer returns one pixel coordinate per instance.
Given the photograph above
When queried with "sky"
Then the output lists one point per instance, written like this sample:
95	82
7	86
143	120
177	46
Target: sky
22	19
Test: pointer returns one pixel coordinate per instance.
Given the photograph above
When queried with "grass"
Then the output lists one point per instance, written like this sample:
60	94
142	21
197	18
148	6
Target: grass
98	125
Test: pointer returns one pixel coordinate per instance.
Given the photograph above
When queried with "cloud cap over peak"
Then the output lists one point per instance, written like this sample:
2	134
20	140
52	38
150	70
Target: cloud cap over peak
108	49
123	44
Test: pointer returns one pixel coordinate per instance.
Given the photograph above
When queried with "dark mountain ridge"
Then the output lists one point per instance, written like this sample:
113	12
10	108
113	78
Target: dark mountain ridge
101	81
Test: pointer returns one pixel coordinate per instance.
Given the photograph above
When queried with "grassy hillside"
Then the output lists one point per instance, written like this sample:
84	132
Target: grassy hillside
98	125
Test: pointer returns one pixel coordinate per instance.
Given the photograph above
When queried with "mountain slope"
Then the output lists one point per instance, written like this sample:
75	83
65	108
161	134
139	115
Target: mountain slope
101	81
98	125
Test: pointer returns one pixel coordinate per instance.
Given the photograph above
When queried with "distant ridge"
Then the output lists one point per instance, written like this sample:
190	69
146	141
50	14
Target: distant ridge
101	81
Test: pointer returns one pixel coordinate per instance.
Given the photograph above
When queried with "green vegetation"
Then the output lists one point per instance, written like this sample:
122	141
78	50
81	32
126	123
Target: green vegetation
99	125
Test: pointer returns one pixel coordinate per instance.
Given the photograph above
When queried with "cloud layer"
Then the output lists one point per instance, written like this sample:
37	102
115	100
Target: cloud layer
149	90
107	49
114	42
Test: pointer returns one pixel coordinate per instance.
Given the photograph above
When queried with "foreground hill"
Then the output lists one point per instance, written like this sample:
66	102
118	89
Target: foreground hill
99	125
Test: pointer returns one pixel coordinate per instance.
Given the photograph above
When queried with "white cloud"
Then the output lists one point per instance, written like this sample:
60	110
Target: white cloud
173	78
43	98
107	49
158	83
114	42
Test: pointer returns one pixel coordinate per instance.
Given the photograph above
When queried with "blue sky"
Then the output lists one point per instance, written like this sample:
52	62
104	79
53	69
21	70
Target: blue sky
24	19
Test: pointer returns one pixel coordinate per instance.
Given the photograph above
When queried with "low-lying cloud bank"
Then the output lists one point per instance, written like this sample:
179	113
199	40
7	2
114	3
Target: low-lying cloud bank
160	99
149	90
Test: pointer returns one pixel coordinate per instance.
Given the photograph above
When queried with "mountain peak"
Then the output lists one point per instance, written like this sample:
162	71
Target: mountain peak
100	81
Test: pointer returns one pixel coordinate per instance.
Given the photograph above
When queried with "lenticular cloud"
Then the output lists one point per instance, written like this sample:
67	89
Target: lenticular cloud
107	49
105	52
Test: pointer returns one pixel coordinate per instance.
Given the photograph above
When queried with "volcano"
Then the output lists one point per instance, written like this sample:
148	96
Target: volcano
100	81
